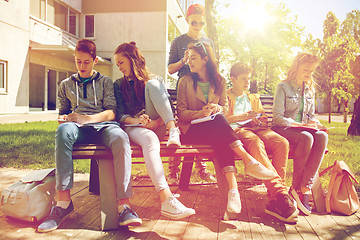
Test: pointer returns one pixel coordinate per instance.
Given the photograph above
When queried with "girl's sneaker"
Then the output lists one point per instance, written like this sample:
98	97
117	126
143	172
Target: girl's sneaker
174	137
174	209
302	201
234	203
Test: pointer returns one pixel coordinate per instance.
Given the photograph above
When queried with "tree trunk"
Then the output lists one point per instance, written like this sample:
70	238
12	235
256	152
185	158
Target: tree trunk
329	107
211	25
354	128
346	111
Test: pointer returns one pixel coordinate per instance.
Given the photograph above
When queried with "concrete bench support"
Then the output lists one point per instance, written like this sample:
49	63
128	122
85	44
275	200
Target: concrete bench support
109	218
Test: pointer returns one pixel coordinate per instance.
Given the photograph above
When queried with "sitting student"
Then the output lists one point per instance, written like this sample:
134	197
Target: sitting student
178	56
86	112
201	94
136	91
255	136
294	106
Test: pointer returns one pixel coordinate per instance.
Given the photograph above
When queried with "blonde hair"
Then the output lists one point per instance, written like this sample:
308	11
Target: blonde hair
300	59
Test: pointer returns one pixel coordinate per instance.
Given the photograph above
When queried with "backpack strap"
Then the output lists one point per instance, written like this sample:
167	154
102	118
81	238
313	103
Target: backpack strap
327	169
344	168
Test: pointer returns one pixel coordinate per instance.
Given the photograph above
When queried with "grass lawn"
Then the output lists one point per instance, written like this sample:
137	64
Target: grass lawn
31	145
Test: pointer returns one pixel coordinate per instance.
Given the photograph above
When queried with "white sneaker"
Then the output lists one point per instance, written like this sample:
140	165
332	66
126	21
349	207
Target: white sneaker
174	137
258	171
174	209
234	203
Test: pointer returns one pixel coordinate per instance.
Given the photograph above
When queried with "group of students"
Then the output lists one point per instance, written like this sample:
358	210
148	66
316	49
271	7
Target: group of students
136	108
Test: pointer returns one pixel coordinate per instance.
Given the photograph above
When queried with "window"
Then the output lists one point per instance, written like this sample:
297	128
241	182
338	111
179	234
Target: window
60	16
89	26
3	76
73	22
37	8
56	13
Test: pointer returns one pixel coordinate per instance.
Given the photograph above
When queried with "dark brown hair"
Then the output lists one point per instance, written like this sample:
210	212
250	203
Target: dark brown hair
87	46
240	68
139	73
212	70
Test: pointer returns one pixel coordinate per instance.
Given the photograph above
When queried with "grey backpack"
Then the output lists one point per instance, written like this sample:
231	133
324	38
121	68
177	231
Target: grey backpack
30	199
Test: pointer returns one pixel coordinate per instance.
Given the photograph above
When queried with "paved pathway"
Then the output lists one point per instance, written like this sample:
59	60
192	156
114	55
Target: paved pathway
28	117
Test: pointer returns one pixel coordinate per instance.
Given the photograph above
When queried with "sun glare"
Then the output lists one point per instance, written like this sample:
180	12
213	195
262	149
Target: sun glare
254	17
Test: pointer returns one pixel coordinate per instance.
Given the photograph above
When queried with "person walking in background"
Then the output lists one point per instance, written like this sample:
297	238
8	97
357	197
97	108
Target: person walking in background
86	112
178	56
294	118
202	94
248	119
143	102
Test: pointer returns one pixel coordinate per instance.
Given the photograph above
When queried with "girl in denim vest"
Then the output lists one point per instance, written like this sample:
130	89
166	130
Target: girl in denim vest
294	118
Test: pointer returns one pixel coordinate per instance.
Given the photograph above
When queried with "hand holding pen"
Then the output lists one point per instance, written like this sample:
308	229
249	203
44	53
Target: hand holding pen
64	118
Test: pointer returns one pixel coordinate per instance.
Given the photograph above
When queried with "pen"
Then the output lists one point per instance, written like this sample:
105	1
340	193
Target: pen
75	108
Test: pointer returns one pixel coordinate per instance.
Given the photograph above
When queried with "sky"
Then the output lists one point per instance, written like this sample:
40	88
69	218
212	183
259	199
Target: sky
310	13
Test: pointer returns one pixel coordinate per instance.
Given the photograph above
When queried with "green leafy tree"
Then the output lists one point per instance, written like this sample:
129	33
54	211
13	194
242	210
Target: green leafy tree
351	27
268	52
330	52
337	50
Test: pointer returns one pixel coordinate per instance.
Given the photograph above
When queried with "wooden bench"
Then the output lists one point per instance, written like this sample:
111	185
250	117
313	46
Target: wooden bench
101	171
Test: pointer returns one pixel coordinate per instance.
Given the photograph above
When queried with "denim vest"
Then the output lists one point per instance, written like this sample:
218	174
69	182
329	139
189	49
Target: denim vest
287	104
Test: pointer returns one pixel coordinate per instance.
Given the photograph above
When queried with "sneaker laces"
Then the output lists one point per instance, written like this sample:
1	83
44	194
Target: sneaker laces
173	133
233	196
286	200
55	213
126	210
176	204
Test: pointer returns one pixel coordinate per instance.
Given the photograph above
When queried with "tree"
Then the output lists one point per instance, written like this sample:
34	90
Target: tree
330	52
211	25
354	128
268	52
337	50
352	25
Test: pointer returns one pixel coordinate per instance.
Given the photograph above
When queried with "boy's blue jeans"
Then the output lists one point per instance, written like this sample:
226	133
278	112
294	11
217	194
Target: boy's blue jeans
111	135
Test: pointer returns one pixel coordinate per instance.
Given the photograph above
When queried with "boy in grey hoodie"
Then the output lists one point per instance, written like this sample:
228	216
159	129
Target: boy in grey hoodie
86	115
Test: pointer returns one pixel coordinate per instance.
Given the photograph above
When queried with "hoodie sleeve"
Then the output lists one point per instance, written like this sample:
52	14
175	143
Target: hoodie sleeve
64	102
109	102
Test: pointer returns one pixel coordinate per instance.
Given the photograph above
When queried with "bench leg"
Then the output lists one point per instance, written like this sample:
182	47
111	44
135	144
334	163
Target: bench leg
109	218
94	177
186	170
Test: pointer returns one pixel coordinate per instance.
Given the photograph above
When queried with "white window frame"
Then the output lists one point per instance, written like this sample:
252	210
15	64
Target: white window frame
3	90
92	37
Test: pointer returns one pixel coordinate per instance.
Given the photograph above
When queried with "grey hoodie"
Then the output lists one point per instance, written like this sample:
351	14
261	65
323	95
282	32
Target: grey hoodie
95	96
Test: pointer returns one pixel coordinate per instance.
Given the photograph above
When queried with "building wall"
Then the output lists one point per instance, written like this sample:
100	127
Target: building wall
142	21
75	4
14	42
